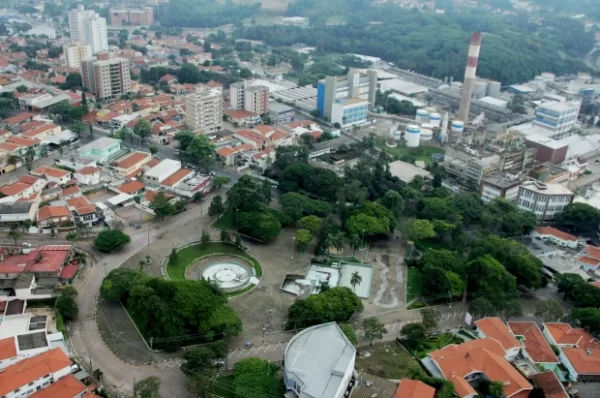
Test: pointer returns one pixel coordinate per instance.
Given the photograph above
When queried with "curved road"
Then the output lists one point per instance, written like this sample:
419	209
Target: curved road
84	337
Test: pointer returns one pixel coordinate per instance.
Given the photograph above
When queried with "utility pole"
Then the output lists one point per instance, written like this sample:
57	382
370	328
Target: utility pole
90	355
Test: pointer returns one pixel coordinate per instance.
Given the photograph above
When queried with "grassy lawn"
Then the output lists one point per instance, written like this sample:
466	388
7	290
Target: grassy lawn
185	256
225	221
435	342
422	153
413	284
223	387
387	360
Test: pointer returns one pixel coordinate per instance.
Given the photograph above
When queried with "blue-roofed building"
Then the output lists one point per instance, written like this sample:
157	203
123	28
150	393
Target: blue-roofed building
559	117
319	363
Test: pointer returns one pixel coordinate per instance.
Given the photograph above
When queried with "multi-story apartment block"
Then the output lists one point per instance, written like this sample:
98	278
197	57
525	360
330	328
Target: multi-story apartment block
545	200
204	111
75	53
256	99
87	27
131	16
236	95
355	85
106	77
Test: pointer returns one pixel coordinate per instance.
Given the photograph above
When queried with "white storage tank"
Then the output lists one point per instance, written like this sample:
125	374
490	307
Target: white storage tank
458	126
493	89
422	116
480	89
412	135
397	135
426	133
435	119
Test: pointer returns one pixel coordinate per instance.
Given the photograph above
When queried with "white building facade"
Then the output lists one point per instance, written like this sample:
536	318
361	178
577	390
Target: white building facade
349	112
75	53
87	27
204	111
544	200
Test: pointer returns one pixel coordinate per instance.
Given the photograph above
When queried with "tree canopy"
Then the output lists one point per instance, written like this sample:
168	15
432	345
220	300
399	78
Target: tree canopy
111	240
335	304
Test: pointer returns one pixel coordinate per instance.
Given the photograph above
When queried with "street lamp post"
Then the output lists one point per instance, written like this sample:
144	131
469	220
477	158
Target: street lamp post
293	246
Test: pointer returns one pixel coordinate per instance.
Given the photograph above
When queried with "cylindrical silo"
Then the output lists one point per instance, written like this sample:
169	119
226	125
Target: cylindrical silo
494	89
457	126
480	89
422	116
397	135
412	135
435	119
426	134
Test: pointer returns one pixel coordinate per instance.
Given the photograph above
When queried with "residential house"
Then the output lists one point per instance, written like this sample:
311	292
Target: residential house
261	160
43	262
102	150
53	174
83	211
580	351
25	187
496	329
156	175
67	387
556	236
549	384
41	132
467	363
257	140
71	192
196	184
169	183
589	259
132	187
26	377
128	165
88	175
242	118
53	215
19	119
147	201
535	345
18	212
414	389
228	155
301	127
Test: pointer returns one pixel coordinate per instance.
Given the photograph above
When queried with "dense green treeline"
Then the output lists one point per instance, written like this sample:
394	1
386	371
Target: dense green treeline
513	50
205	13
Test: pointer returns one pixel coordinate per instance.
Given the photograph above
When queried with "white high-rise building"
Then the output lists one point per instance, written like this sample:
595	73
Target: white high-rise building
87	27
75	53
204	111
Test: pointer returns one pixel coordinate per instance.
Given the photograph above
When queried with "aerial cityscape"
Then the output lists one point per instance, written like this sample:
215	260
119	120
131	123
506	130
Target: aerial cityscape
300	199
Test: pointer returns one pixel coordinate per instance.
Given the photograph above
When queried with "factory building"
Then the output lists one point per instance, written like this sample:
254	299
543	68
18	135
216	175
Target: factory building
131	16
349	112
558	117
335	88
548	150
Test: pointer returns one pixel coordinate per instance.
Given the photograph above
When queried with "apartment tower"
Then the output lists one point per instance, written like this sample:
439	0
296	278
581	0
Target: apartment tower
204	111
106	77
87	27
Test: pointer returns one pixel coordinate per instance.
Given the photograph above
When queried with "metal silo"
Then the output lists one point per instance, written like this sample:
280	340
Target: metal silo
480	89
426	132
435	119
422	116
412	136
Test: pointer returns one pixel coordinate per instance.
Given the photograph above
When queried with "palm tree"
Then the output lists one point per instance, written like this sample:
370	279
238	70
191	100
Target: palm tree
355	279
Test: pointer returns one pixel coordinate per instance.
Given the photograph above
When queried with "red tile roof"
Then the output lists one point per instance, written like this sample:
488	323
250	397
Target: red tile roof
556	233
67	387
71	190
414	389
21	117
595	284
564	334
585	361
496	329
588	260
47	212
85	210
593	251
131	187
8	348
550	385
23	372
151	195
535	343
226	151
132	160
239	114
78	201
14	188
23	141
68	272
176	177
88	170
50	171
484	355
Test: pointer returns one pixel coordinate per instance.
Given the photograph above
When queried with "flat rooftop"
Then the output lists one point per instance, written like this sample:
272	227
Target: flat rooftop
545	141
99	144
546	189
320	356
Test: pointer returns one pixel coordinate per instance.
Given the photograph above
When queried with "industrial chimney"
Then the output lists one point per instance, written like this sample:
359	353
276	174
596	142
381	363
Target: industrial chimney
470	75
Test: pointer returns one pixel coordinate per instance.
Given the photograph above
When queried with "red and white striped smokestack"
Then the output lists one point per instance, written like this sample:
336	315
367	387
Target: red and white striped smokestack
470	76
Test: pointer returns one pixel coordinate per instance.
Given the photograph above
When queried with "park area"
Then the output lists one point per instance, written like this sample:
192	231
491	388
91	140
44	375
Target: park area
411	155
387	360
176	267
